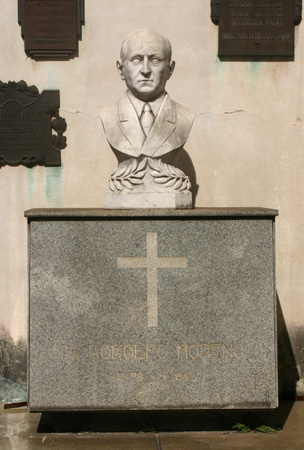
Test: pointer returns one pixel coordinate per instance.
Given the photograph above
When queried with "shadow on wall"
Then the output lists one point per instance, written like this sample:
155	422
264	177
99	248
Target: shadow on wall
287	367
186	165
12	368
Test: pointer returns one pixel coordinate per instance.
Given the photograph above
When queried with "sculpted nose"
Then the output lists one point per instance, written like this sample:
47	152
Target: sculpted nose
145	69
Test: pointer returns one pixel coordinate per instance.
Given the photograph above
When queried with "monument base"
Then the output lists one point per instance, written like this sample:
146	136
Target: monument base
152	309
148	200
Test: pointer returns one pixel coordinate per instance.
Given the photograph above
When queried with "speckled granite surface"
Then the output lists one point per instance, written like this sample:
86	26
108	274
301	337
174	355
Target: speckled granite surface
152	310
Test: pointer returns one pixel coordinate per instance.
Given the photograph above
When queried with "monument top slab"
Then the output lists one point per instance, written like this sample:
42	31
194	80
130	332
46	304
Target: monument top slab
197	212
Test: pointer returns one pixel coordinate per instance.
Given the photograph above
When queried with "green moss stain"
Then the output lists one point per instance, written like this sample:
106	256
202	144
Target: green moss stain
30	186
219	65
254	69
53	186
219	72
53	81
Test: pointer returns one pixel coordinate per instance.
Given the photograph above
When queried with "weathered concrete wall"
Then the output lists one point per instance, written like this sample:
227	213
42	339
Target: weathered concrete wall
246	145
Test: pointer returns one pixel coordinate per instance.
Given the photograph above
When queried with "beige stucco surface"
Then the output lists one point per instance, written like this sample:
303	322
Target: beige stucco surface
246	144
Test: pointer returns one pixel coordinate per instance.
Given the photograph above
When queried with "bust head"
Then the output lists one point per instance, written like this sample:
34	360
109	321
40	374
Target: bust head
145	63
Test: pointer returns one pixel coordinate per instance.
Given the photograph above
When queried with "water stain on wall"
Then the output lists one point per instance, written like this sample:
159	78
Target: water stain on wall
53	186
30	185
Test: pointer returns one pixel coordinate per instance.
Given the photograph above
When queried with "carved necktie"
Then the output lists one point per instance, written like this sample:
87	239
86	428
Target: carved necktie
147	118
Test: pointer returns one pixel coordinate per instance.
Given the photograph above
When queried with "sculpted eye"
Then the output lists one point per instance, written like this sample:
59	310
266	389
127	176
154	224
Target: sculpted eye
136	60
155	60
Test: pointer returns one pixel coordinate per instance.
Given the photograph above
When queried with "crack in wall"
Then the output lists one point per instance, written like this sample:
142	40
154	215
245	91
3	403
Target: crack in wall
242	111
234	112
79	112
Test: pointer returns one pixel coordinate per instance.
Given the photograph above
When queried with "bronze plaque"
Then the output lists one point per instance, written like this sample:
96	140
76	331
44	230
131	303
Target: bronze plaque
51	28
27	119
256	27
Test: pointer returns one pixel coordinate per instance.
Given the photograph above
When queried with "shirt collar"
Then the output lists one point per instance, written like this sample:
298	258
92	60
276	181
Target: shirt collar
139	104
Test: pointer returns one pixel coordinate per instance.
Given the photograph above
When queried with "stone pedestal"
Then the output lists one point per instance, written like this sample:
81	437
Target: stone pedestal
162	309
146	183
149	200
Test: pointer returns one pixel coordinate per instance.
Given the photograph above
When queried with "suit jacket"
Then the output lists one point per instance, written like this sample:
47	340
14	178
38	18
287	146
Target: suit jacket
169	131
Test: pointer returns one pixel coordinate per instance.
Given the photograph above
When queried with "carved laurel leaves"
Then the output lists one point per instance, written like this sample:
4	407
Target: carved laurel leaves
20	91
168	175
127	176
27	161
58	124
32	91
137	171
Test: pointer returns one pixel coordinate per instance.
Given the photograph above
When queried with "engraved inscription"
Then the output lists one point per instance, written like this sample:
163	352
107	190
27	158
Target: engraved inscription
148	356
185	377
146	352
152	263
69	353
131	377
52	23
20	129
51	28
256	27
128	352
213	351
27	122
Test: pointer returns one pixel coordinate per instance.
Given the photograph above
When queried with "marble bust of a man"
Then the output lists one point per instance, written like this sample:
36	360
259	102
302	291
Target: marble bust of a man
146	124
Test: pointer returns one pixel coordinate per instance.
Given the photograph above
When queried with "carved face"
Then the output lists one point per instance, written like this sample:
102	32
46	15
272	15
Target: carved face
145	65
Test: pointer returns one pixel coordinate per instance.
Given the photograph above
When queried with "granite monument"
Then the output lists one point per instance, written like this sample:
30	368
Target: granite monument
152	309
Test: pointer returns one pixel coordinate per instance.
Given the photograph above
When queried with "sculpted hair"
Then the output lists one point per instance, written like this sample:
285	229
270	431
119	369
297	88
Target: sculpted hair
137	33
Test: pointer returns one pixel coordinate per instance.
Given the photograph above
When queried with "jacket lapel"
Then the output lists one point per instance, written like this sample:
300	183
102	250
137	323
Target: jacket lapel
162	128
129	124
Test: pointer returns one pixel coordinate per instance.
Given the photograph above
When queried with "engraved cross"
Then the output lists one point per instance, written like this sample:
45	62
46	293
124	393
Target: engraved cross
152	263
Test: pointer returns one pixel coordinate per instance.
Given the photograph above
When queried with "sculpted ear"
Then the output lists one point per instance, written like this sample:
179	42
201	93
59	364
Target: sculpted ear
172	67
119	66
